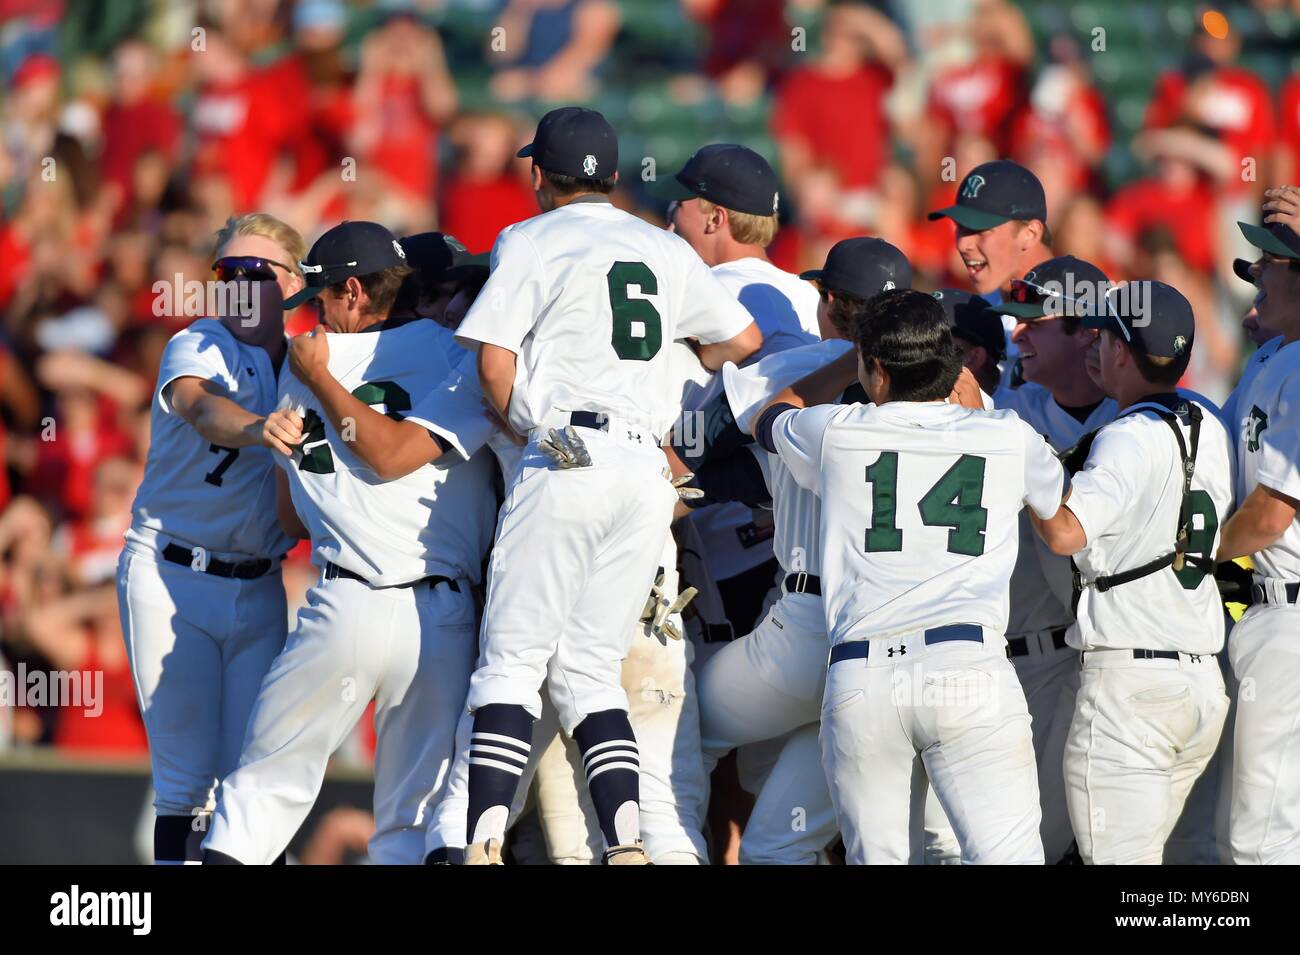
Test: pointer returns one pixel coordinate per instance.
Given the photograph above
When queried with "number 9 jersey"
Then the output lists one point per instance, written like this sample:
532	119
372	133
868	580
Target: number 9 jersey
197	493
589	297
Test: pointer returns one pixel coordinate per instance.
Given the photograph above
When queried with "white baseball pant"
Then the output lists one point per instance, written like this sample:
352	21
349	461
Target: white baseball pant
1200	837
1265	654
952	712
199	646
1050	679
1142	733
575	556
411	650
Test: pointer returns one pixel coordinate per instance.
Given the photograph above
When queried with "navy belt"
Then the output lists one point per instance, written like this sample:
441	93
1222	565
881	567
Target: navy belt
858	649
1019	646
803	584
240	570
718	633
334	570
589	419
1261	595
1155	654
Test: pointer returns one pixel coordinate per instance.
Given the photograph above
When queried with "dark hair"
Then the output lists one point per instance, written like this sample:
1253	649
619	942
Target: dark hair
844	310
571	185
381	288
908	333
1165	372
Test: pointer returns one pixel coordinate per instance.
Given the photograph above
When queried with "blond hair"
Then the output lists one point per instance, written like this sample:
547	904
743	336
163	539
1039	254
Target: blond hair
745	227
268	227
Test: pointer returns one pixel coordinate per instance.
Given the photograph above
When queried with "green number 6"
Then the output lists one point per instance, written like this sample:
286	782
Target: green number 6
638	330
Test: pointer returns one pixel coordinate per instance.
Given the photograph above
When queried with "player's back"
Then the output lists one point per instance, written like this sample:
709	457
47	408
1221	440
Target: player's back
920	515
435	520
194	492
602	294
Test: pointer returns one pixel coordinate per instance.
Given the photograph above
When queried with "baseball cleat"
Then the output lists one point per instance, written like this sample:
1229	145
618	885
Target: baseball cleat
630	854
483	853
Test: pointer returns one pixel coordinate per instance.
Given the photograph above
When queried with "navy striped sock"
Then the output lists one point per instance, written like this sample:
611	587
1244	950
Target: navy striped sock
498	751
613	767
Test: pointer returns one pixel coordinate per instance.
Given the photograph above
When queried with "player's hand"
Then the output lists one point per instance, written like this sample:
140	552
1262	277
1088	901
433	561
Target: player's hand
658	609
282	431
685	493
309	356
565	449
1282	204
967	392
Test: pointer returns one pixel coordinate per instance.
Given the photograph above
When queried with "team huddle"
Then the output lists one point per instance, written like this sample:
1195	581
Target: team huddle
945	571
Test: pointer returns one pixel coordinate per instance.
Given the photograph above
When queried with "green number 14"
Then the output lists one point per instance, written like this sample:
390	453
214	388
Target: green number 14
955	501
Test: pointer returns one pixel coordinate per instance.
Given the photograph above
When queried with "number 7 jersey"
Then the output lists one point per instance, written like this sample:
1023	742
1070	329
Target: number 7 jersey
920	510
436	520
589	297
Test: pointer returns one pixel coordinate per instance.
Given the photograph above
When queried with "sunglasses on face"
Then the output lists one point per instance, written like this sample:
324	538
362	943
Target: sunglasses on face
251	268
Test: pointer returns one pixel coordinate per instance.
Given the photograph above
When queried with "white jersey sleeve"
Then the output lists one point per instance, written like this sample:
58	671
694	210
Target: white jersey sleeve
196	352
798	437
1278	465
512	299
1044	475
709	312
455	410
1106	488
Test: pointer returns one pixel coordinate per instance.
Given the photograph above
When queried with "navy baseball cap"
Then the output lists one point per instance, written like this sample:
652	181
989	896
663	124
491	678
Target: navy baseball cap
862	267
1150	316
1060	286
1279	239
574	141
440	257
973	319
731	176
349	249
996	192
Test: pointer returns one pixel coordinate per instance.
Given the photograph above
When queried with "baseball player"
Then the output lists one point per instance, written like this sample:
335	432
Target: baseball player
569	332
768	684
392	618
977	330
725	201
1141	520
1265	815
914	568
1001	219
199	591
1062	403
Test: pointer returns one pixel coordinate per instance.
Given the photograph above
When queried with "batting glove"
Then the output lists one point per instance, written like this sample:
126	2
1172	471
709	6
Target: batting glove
685	493
658	609
565	449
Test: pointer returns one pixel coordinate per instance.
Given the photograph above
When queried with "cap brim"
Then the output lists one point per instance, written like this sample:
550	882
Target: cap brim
304	295
812	275
976	219
670	189
525	152
1261	238
466	265
1022	309
1241	269
1103	321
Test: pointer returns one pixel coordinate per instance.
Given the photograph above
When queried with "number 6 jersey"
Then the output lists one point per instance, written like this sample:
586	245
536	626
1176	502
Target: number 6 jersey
436	520
920	510
589	297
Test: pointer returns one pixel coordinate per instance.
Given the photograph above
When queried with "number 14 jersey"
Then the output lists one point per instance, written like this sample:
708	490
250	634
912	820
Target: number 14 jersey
588	297
920	510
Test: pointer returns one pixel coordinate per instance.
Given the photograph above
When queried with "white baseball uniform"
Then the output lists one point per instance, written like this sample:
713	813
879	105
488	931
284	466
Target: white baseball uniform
392	618
784	307
1265	816
1150	705
199	644
918	528
1041	591
586	296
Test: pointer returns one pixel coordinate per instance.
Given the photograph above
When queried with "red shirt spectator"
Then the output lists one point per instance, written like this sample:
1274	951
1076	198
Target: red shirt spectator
116	728
1288	129
64	475
407	152
980	99
474	211
1231	101
1049	134
131	130
841	119
1185	210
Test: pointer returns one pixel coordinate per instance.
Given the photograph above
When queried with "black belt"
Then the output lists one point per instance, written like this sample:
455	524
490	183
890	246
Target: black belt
803	584
1019	646
858	649
1155	654
240	569
1261	595
718	633
589	419
334	570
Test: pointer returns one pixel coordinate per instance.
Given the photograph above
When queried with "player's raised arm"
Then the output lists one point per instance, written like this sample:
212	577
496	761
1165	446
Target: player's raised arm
208	409
819	388
1261	520
735	349
392	449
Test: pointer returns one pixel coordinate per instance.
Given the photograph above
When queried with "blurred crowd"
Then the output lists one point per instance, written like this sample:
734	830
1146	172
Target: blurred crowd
130	131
